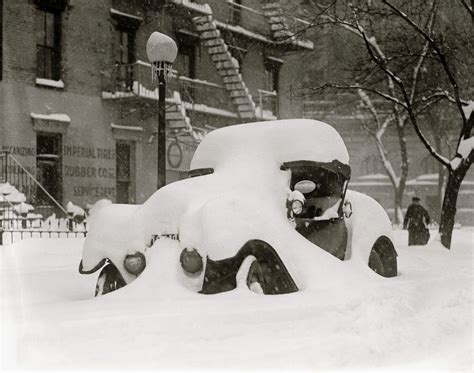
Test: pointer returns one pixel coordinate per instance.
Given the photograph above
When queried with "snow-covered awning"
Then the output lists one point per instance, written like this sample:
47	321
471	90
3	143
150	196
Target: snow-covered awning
57	122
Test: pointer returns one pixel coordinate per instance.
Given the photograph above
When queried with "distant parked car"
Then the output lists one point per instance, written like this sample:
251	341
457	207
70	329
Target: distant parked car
261	200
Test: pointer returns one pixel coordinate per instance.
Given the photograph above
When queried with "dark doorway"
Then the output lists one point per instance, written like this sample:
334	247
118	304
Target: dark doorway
124	172
48	168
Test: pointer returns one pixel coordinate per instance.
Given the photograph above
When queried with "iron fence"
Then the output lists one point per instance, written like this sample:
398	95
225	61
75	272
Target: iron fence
14	227
17	221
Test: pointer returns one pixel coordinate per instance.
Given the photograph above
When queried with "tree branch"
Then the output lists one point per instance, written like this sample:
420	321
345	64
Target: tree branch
358	86
438	52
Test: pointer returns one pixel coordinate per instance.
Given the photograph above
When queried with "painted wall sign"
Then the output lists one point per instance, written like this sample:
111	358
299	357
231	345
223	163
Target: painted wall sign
89	172
20	150
87	152
93	191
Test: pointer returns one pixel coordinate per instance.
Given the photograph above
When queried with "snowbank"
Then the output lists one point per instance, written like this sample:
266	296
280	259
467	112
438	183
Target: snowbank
421	320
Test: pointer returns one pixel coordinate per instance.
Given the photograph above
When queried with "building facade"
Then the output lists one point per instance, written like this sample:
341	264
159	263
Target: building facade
78	108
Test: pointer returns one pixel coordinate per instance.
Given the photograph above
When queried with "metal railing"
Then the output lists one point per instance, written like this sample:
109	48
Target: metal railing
13	172
135	80
297	27
249	18
122	79
206	94
14	227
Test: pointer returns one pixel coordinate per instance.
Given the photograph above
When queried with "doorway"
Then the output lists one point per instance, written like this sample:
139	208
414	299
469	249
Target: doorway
48	168
125	158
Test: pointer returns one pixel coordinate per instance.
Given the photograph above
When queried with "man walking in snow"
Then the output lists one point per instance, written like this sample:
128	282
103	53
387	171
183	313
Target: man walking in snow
416	221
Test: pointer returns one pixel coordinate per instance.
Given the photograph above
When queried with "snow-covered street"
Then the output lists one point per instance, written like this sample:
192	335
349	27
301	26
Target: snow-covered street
420	320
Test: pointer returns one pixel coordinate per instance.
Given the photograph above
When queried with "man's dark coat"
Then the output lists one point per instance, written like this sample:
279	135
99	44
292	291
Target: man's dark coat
416	221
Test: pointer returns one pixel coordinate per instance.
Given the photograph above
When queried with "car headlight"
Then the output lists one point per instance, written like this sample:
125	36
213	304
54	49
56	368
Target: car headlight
297	207
191	261
135	263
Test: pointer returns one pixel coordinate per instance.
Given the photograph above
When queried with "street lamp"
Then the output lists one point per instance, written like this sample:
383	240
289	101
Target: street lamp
161	51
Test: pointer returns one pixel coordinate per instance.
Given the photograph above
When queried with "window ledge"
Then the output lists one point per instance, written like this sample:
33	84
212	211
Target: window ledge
57	123
50	83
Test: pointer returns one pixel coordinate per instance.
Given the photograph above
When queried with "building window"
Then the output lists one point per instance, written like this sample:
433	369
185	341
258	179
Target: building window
48	44
186	63
124	45
235	9
124	54
272	74
49	168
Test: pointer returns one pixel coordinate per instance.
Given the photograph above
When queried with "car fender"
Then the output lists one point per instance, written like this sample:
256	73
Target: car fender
114	233
368	222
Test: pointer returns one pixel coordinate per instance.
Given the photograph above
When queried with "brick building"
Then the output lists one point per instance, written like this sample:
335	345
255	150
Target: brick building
78	110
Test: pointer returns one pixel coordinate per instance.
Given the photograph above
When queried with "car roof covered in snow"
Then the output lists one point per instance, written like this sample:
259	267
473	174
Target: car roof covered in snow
280	140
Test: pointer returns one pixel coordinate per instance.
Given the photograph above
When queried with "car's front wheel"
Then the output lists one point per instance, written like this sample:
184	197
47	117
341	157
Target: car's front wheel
109	280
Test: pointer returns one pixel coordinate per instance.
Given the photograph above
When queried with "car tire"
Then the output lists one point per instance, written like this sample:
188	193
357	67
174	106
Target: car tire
250	275
109	280
375	263
255	278
383	258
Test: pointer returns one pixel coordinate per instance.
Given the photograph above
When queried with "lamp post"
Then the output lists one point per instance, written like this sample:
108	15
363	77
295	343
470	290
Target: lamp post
161	51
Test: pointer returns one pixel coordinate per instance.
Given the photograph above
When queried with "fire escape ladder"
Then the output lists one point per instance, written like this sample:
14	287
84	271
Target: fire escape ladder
176	115
273	12
227	66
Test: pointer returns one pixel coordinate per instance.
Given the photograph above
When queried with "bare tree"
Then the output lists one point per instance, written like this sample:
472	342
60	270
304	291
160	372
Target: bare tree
381	121
415	55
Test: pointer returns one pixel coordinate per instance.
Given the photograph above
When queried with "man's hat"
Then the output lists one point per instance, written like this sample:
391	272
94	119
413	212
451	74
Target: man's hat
415	199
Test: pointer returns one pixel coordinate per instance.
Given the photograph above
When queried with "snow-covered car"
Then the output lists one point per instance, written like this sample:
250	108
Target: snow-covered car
264	204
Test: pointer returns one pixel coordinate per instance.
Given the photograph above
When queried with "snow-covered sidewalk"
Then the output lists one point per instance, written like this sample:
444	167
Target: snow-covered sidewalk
419	320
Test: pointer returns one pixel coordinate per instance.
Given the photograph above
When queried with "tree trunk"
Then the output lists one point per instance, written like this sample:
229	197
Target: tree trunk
441	177
448	213
455	179
398	205
403	170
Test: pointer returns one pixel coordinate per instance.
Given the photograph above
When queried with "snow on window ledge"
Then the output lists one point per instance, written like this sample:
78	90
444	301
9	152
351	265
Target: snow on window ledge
126	128
123	14
50	83
54	117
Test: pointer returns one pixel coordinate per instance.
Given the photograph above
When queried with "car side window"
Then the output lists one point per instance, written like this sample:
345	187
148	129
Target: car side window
200	172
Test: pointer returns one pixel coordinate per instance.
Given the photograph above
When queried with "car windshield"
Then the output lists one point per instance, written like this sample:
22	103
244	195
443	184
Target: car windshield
315	179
